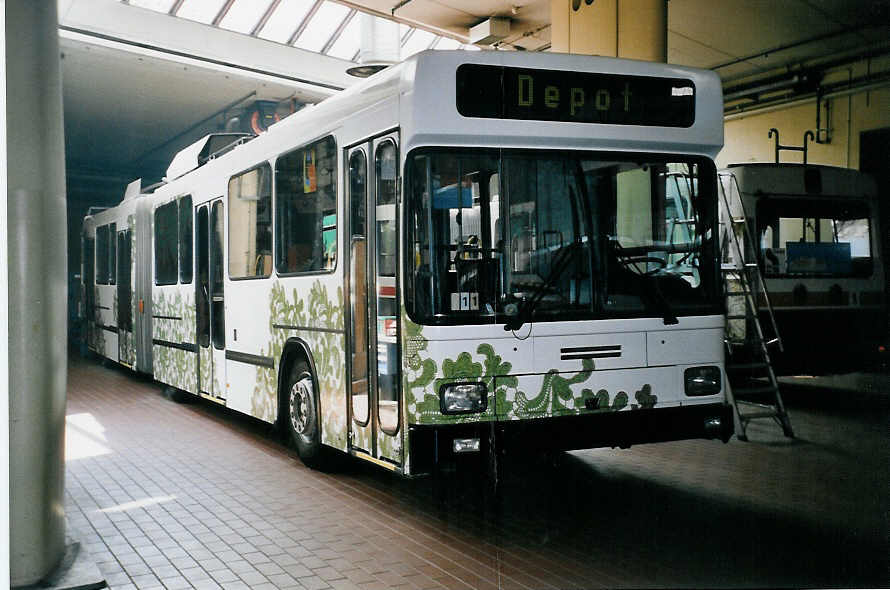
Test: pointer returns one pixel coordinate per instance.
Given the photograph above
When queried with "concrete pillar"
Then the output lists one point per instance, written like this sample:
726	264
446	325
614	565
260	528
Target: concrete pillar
635	29
37	254
4	321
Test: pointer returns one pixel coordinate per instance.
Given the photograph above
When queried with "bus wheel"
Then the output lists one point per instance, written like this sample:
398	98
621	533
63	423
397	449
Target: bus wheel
301	415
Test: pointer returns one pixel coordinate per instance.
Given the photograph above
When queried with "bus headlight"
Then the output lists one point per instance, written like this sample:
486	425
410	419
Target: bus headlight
463	398
701	381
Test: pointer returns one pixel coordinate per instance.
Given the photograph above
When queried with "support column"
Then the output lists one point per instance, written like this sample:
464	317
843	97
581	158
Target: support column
37	288
635	29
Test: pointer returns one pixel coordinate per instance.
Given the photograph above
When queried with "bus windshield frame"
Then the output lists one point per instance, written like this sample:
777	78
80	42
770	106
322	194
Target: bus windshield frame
509	235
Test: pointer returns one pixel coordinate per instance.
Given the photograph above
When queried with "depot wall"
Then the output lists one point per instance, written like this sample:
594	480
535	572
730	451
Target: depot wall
746	138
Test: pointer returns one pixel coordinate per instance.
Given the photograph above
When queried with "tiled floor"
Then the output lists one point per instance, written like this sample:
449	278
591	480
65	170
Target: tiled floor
181	496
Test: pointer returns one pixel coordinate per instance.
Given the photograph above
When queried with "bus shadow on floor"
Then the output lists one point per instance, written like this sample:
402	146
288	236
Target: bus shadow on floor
596	519
562	505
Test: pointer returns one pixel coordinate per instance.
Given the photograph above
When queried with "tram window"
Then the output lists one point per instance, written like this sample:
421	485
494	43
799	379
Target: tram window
250	223
102	255
306	209
217	287
124	287
112	254
387	186
800	237
166	242
386	166
185	240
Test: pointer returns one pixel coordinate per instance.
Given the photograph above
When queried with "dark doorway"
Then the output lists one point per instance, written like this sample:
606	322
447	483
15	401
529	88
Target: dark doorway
874	158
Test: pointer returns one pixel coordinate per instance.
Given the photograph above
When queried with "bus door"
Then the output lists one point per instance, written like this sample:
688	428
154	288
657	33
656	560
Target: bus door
210	301
89	290
374	398
125	342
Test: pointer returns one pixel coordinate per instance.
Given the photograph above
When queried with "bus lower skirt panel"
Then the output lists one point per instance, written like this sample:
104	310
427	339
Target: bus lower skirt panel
432	444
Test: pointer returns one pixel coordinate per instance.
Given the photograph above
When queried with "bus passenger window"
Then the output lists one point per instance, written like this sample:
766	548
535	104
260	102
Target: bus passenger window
306	209
185	240
112	254
102	255
250	223
166	242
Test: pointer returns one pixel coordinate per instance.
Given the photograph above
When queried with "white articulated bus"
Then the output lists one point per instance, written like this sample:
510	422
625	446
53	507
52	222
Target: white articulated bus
463	252
817	239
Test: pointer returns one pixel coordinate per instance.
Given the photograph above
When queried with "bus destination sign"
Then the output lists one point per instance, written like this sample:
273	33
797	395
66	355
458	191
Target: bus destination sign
496	92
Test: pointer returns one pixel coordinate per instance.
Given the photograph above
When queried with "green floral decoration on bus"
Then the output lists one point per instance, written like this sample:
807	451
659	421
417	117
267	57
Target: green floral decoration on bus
95	332
315	309
559	394
174	366
555	392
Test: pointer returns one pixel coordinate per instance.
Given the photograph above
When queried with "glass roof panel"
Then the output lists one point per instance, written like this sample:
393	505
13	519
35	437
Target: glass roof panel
347	44
156	5
285	20
322	26
447	43
244	15
203	11
418	41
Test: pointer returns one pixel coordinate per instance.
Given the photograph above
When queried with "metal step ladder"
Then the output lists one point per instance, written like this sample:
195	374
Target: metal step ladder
752	385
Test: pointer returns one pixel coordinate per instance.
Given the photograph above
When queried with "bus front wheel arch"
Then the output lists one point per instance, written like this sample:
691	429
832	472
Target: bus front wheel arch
298	406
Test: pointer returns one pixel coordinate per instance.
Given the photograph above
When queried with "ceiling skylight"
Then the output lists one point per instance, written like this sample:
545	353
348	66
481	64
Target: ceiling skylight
203	11
322	26
244	15
156	5
285	20
418	41
347	44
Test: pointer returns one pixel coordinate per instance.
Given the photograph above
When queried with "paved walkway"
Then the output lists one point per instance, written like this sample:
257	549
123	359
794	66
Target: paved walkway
192	496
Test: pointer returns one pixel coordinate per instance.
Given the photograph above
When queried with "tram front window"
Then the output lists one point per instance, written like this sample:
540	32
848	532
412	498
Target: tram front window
816	238
494	235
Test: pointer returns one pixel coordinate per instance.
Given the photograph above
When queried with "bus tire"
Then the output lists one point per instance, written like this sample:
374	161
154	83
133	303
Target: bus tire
301	413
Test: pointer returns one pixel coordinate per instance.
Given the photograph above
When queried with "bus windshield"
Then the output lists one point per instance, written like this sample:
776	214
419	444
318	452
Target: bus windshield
555	235
814	237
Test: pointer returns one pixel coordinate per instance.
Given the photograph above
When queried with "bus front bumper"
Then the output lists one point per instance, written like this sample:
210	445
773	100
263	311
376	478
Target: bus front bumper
431	444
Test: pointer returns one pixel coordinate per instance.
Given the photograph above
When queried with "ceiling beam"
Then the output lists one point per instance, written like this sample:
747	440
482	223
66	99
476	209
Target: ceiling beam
113	24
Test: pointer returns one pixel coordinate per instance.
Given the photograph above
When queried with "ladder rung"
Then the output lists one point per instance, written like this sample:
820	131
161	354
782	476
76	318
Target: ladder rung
769	407
736	293
751	265
739	220
750	390
772	342
737	342
745	366
755	415
737	317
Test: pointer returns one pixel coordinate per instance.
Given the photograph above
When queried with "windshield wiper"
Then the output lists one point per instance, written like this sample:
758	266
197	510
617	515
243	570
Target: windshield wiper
653	297
561	261
656	297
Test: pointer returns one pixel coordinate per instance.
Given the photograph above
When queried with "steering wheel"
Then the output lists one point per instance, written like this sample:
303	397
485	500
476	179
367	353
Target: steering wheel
631	261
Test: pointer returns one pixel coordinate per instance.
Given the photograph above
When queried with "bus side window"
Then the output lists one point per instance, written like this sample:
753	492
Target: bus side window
185	240
306	209
250	223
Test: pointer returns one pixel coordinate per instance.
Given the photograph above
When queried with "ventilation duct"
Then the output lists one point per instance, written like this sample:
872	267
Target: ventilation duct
490	31
379	47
